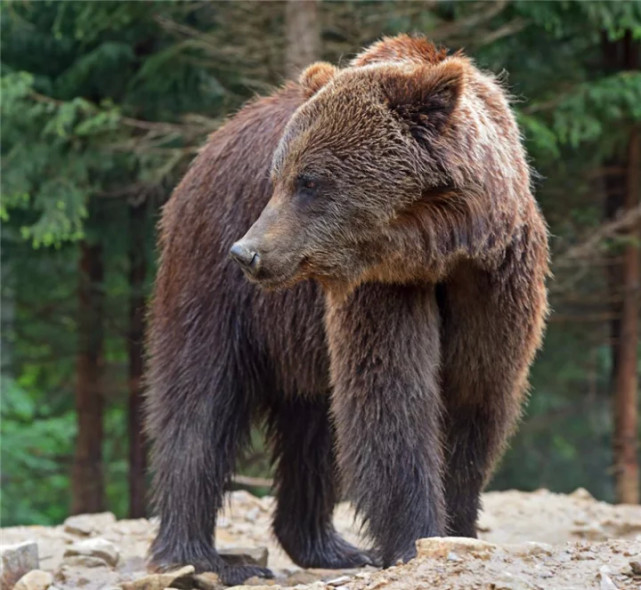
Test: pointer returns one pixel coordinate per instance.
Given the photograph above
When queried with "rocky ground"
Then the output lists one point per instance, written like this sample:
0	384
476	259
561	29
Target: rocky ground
529	541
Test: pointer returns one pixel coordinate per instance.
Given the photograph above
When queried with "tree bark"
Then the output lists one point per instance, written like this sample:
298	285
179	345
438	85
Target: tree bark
137	443
87	487
625	378
303	35
623	192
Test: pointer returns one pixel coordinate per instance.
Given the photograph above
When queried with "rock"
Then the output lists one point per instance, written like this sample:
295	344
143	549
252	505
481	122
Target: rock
87	524
635	566
258	581
95	547
245	587
531	548
245	555
17	560
301	577
581	494
34	580
606	581
183	579
252	515
84	561
338	581
208	581
441	547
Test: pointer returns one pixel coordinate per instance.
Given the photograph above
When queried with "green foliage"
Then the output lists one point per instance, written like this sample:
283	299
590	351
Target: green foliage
594	109
68	134
36	447
51	174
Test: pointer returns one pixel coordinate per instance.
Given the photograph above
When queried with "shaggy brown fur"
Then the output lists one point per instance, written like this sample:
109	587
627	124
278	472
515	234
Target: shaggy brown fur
400	185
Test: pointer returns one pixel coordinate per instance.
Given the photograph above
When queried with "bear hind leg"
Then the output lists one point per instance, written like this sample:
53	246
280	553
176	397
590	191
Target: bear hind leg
306	486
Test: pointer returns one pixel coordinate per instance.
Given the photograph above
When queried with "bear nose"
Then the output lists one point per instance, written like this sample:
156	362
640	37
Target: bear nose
248	258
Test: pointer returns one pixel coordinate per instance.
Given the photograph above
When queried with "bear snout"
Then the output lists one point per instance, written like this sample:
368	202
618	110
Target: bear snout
246	256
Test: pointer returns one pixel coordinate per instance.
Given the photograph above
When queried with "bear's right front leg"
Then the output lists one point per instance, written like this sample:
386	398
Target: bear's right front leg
384	350
198	414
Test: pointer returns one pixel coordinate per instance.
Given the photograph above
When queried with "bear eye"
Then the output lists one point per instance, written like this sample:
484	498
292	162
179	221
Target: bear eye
307	184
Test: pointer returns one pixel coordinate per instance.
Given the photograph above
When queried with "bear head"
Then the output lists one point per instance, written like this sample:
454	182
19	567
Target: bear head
368	143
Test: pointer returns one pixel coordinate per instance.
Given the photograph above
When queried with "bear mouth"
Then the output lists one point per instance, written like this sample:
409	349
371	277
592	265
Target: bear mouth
272	280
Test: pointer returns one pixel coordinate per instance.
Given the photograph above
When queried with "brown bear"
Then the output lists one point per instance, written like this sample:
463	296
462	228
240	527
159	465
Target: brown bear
397	207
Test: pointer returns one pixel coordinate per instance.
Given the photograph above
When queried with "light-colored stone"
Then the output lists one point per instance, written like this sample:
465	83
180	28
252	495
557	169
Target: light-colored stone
207	581
606	582
245	587
531	548
258	581
441	547
84	561
95	547
245	555
302	577
88	524
581	494
338	581
17	560
182	579
34	580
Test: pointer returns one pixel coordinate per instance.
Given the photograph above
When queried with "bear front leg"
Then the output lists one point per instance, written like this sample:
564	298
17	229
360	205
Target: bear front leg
385	352
306	485
492	324
198	414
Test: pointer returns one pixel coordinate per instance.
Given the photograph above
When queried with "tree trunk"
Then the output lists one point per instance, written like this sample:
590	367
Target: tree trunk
303	35
625	378
137	272
623	193
87	487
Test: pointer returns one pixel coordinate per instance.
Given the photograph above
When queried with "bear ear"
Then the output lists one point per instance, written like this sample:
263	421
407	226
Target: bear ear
314	77
425	97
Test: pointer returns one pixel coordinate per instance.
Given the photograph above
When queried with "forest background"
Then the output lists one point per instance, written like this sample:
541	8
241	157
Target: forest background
104	104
